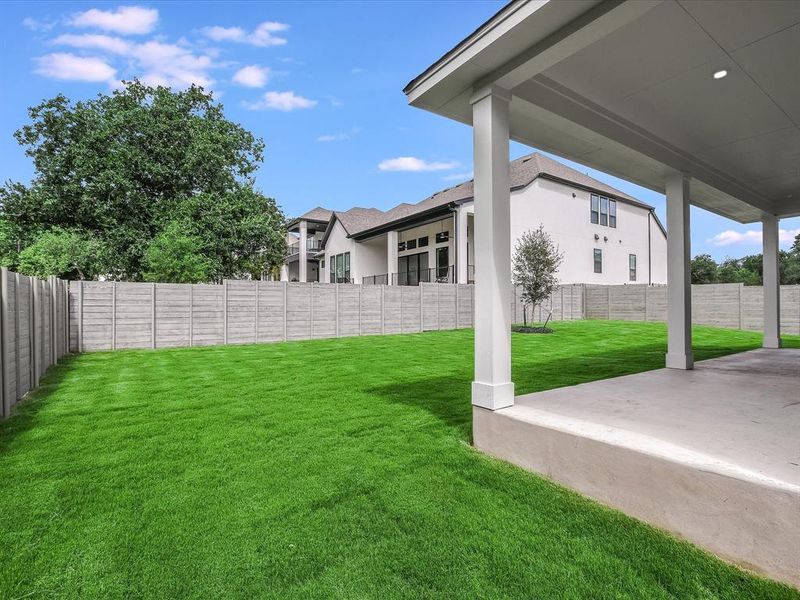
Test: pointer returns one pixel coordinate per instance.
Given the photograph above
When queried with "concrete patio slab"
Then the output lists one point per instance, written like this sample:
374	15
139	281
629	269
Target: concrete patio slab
712	454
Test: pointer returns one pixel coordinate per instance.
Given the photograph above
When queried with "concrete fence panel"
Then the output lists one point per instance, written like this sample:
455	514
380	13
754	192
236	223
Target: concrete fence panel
371	309
728	305
117	315
34	333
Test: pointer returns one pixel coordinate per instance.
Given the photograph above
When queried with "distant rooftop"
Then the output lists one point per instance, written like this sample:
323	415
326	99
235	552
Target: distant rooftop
523	172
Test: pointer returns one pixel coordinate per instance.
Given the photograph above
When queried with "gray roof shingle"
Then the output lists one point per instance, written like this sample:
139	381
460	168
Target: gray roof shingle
522	171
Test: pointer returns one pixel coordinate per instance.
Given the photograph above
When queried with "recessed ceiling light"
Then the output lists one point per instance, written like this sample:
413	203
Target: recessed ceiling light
720	74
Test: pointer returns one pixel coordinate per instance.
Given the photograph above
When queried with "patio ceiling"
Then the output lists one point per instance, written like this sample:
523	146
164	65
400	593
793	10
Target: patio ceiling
628	87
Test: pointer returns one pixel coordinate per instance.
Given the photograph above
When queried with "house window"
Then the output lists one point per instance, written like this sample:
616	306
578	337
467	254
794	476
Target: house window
632	267
411	244
401	246
323	263
422	242
340	268
442	237
598	260
603	211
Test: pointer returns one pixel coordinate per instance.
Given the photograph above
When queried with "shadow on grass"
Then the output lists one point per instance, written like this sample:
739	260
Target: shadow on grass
25	413
448	398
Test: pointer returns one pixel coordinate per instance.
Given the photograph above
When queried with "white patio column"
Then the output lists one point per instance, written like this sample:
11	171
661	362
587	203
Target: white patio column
391	255
462	259
492	387
772	287
303	264
679	281
284	272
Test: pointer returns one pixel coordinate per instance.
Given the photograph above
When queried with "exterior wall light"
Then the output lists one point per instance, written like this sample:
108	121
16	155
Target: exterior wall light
720	74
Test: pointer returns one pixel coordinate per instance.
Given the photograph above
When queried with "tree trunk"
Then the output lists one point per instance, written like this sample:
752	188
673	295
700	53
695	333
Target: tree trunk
525	315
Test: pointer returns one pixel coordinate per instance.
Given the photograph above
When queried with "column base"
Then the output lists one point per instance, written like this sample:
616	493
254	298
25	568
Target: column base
680	361
771	342
492	396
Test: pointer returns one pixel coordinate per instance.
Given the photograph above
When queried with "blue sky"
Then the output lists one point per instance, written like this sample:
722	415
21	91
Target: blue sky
319	81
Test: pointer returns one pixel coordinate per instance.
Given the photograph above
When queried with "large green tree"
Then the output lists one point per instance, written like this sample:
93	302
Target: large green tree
119	168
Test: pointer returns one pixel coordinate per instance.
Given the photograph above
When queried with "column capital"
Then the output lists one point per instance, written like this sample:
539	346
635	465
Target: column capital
769	218
493	90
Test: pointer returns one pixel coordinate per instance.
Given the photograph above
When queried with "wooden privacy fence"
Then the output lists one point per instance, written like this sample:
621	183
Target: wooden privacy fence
729	305
116	315
33	332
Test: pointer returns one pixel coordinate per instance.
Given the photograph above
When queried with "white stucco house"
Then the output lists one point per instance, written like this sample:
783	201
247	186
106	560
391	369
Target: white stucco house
606	236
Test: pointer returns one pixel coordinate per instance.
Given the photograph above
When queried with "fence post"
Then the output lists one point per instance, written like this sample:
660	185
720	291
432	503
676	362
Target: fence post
153	316
421	310
65	318
311	312
52	296
114	315
439	308
741	286
360	287
35	326
224	311
191	315
5	395
336	300
255	318
383	311
80	316
16	333
608	302
285	297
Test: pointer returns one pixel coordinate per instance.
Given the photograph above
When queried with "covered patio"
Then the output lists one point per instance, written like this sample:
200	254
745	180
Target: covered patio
696	100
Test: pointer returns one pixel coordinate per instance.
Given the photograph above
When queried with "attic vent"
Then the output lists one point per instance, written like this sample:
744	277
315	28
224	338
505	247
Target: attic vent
526	159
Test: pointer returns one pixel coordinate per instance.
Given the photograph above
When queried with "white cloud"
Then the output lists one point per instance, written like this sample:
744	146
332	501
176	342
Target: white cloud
171	65
411	163
262	36
78	68
284	101
458	177
35	25
125	19
90	40
338	137
730	237
252	76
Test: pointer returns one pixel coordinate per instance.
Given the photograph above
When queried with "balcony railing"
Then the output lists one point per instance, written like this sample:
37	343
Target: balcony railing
312	245
376	280
434	275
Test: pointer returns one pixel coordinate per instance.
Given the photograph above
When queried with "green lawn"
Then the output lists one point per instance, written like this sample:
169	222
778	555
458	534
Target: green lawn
329	469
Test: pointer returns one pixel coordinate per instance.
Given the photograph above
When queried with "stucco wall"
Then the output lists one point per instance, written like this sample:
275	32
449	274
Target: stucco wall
430	230
370	258
567	220
337	243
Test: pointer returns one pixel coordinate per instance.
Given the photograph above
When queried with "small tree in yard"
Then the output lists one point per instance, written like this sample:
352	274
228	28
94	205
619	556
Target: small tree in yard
536	261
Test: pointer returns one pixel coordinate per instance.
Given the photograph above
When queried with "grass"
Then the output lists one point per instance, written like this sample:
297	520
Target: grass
327	469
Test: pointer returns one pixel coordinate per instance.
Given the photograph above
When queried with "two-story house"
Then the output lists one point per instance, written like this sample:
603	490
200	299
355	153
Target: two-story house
606	235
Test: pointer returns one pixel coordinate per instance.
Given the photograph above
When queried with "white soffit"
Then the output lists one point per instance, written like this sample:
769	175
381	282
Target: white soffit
641	98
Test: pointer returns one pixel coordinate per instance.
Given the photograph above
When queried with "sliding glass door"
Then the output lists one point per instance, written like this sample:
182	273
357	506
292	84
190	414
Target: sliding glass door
412	268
